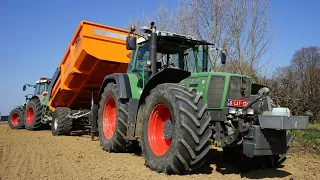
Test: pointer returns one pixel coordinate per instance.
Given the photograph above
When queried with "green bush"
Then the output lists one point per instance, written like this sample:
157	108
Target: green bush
309	137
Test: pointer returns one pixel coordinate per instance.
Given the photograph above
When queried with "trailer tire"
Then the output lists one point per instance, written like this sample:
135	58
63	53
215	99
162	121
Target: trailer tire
175	133
16	118
61	125
113	121
33	113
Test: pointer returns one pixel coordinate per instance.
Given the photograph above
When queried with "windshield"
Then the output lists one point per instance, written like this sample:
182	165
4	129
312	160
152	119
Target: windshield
190	58
40	88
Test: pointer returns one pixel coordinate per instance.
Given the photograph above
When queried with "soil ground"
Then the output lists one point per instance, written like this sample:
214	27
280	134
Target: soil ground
39	155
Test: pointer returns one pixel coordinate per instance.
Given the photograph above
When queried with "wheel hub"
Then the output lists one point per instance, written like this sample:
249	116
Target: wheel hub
160	129
109	118
15	119
30	116
167	130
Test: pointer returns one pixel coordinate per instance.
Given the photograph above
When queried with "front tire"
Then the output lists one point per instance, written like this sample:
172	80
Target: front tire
33	115
16	118
61	125
113	121
175	134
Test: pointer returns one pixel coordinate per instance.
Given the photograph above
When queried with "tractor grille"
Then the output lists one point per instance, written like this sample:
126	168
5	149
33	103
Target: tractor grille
215	91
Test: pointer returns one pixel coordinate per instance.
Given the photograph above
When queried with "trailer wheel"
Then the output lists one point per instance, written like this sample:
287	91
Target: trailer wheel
112	121
16	118
61	125
33	114
175	133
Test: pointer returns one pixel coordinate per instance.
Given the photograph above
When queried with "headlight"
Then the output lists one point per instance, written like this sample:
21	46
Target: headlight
250	111
232	110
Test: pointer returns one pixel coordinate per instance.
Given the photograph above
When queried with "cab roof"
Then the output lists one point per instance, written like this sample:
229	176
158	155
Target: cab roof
172	43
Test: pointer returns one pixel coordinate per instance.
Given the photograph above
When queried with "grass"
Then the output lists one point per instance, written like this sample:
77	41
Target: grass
315	126
308	140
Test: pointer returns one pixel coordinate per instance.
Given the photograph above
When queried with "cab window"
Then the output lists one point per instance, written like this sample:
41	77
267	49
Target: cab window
40	88
142	57
131	56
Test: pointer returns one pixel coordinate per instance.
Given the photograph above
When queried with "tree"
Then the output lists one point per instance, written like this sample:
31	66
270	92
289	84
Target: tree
306	64
241	27
297	85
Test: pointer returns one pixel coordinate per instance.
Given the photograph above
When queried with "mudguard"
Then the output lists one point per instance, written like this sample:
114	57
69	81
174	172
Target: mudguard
167	75
40	97
122	80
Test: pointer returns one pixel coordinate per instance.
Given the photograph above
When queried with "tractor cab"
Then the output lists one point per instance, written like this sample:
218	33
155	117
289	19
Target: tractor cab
40	88
172	51
172	55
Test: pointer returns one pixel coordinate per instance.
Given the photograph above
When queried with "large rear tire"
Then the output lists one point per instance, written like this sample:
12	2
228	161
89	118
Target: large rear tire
16	118
61	125
113	121
33	114
175	133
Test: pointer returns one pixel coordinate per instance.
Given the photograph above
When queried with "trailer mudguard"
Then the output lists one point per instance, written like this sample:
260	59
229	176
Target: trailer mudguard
122	80
53	82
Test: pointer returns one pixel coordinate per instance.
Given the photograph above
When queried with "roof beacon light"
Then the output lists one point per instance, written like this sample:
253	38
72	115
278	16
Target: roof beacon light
132	28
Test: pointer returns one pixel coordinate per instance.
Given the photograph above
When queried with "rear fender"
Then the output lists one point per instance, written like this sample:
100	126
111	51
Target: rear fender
40	97
167	75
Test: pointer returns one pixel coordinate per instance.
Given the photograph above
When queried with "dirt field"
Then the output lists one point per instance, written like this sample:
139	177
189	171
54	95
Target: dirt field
39	155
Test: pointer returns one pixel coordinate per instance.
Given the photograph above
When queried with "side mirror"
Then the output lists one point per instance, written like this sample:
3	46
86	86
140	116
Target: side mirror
131	42
24	88
223	58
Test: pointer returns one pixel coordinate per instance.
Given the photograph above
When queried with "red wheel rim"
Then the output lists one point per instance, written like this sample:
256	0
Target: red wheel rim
109	118
15	119
30	115
159	145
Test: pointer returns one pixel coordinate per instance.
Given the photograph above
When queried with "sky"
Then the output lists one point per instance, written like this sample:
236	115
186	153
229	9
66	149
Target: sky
34	35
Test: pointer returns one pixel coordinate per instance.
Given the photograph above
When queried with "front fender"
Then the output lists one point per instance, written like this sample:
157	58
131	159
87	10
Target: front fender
121	80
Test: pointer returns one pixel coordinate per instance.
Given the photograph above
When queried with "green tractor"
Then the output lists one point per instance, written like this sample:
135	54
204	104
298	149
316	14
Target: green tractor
176	108
32	115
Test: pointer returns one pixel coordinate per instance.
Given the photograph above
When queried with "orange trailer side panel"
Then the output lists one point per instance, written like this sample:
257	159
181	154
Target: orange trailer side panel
95	51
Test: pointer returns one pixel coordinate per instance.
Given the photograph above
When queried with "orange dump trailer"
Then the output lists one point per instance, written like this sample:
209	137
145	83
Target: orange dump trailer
95	51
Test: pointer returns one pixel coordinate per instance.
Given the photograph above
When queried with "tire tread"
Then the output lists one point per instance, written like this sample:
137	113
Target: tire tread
194	136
